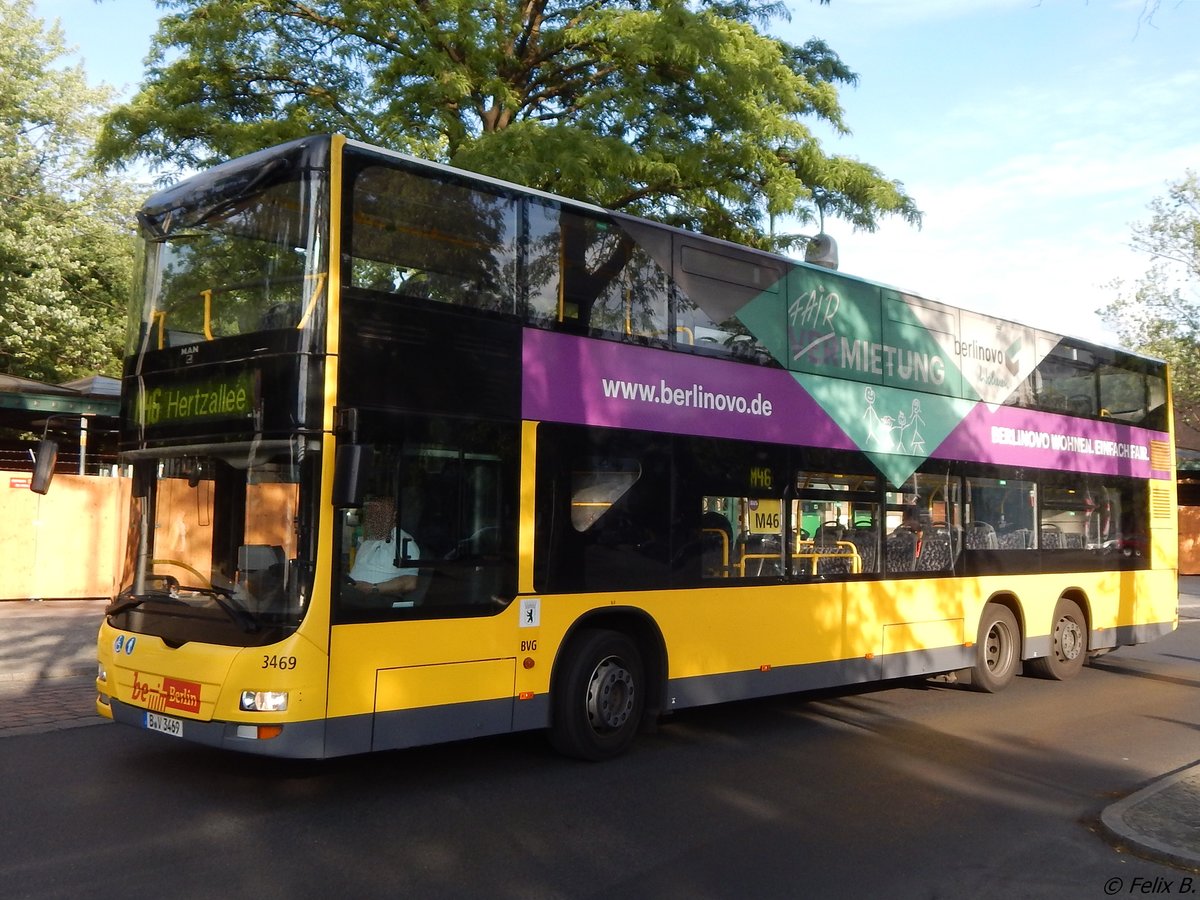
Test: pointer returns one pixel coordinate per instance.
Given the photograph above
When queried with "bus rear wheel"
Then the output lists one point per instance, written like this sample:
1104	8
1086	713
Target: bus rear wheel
599	696
997	650
1068	644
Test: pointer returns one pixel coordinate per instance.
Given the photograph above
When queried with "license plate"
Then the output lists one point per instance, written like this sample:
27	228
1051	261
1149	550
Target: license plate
165	724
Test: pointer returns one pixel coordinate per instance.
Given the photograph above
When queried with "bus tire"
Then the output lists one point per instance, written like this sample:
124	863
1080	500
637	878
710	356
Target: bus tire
997	650
1068	644
598	697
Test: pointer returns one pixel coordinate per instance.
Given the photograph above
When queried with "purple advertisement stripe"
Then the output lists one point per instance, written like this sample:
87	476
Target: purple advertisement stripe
581	381
604	383
1021	437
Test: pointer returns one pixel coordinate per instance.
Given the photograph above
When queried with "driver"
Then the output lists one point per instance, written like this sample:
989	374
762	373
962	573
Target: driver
375	570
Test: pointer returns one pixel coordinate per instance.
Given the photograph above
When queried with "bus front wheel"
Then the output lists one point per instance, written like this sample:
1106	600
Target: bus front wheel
997	651
599	696
1068	644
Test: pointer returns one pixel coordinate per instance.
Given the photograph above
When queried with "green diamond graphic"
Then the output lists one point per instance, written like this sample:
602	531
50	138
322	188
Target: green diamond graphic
895	428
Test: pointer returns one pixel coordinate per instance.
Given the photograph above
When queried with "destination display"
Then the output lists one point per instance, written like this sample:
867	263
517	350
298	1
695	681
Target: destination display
231	396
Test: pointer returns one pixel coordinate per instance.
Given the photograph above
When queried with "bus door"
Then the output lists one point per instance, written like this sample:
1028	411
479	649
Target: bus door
427	565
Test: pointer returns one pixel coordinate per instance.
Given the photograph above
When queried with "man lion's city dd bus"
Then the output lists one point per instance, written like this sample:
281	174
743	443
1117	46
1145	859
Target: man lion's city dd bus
616	469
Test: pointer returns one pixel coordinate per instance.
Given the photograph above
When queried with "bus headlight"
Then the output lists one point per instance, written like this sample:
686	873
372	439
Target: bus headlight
264	701
101	672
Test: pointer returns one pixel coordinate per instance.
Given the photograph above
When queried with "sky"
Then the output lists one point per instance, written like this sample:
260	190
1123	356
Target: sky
1032	134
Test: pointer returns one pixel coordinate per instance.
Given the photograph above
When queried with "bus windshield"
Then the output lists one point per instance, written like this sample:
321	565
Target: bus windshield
217	549
234	252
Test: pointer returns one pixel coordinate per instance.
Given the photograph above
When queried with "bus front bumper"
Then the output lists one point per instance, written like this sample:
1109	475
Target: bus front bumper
291	740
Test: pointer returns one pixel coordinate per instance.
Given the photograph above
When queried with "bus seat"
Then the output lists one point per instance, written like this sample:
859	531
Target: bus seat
761	555
259	557
901	550
981	536
1051	537
829	534
261	571
1017	539
937	553
865	542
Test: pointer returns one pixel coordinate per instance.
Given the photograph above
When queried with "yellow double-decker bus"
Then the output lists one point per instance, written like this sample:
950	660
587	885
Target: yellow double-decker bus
418	456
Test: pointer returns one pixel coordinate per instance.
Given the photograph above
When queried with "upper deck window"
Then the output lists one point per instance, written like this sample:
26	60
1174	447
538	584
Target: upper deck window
1099	382
433	238
235	251
432	235
592	275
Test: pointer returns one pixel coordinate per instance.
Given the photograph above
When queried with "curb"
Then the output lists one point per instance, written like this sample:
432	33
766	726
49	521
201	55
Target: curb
1133	820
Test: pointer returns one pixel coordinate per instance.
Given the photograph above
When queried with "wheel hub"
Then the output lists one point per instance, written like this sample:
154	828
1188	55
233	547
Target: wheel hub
1068	638
610	695
996	647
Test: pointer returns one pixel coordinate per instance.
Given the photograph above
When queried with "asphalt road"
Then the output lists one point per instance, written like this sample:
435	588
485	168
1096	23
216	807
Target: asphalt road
918	790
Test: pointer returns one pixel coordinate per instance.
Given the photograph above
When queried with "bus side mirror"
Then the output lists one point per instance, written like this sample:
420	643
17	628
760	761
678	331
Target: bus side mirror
43	466
351	469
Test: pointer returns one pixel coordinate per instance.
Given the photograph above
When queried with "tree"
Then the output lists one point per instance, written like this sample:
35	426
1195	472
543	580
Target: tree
65	246
680	111
1160	315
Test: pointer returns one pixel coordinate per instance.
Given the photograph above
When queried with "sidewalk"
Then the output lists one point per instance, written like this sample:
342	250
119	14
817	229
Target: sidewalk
48	672
48	639
48	665
1162	820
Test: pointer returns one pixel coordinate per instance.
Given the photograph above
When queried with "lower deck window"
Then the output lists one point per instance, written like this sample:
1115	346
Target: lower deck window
436	533
621	510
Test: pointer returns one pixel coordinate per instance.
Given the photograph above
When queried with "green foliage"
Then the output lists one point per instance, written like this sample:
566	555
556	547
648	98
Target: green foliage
65	251
1160	314
681	111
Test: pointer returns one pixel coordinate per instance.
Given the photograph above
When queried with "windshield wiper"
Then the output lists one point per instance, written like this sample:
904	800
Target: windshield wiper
120	606
222	597
132	602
